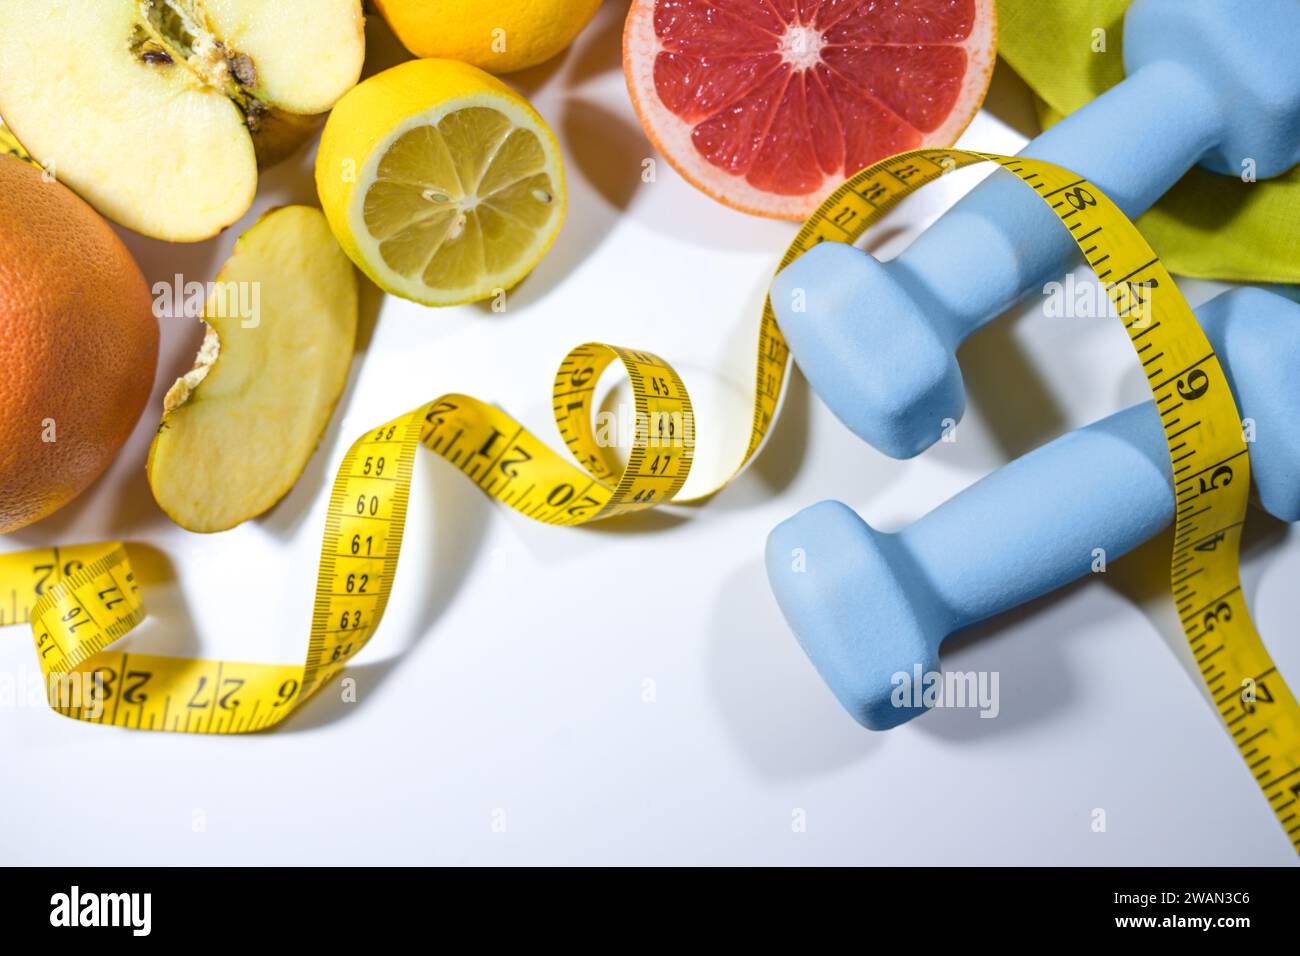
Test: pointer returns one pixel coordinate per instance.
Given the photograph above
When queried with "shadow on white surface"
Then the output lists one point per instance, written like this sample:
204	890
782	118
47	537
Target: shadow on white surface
785	721
460	517
1034	672
599	49
1008	391
784	457
599	150
168	629
607	150
592	150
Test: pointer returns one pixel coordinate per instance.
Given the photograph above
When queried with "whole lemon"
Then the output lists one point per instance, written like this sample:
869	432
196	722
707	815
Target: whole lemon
78	344
499	36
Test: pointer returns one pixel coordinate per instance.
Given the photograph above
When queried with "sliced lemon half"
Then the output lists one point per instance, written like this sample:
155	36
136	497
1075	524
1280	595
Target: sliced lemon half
440	182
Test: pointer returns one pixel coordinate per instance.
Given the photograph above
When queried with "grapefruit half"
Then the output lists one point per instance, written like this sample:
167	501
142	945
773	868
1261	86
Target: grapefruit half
768	105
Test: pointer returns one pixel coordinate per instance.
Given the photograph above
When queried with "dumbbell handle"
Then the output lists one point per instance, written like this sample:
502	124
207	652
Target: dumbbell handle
1035	524
1000	240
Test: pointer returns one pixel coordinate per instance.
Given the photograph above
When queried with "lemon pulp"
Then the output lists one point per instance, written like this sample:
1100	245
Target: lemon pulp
461	204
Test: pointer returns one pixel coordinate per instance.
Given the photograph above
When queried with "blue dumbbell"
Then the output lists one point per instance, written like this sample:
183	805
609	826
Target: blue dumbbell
1214	82
867	605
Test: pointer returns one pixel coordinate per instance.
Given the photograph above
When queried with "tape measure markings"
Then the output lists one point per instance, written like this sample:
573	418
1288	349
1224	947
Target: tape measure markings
368	501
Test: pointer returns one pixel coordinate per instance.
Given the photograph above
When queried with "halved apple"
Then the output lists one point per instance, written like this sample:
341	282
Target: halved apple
157	111
238	428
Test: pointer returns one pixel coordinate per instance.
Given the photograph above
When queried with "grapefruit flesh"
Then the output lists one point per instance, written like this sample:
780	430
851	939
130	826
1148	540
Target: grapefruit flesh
768	105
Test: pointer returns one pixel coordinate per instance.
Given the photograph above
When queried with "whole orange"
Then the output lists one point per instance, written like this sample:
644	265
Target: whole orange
78	344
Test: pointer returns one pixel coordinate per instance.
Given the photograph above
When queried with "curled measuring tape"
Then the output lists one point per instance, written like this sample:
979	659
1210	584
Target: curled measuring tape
80	600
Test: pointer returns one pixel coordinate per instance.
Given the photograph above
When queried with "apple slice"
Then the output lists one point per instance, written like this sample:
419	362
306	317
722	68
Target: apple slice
238	428
157	111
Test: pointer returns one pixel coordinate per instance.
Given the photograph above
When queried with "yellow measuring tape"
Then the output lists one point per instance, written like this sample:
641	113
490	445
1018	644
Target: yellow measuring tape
80	600
9	146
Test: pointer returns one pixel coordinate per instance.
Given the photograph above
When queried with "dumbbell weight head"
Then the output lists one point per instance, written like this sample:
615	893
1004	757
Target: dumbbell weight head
1249	54
867	606
858	606
1257	336
852	313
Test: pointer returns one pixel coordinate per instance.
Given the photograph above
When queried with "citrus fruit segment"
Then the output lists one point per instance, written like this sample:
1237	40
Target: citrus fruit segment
768	105
440	182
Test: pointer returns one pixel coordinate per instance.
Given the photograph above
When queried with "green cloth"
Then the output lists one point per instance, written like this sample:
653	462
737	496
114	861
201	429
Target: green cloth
1207	226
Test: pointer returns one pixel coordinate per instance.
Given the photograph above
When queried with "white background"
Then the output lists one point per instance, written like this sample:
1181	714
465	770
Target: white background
507	681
